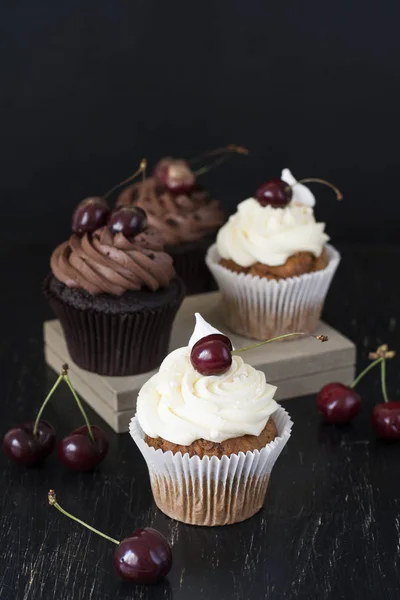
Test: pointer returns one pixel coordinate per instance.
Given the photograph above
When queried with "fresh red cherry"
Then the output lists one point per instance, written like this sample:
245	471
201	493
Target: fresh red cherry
275	193
211	357
175	175
78	452
145	557
216	336
385	420
90	214
338	403
26	449
128	220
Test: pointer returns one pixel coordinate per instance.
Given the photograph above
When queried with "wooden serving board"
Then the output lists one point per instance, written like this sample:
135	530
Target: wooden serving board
298	367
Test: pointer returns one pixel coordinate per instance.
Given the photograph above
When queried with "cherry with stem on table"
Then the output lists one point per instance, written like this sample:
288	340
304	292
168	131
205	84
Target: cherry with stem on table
32	442
85	447
339	403
143	557
385	417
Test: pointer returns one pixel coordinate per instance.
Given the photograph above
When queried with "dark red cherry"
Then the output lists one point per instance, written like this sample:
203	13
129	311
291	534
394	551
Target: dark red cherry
275	193
338	403
24	448
211	357
89	215
175	175
145	557
385	419
128	220
78	452
216	336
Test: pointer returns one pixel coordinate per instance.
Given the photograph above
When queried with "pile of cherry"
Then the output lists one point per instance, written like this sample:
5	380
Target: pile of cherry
143	557
339	403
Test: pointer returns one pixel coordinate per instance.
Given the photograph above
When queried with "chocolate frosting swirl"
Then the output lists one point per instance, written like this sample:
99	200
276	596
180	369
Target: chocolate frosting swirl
103	263
178	218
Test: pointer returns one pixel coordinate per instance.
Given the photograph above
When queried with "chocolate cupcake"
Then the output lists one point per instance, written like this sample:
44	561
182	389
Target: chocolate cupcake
116	296
185	215
210	441
272	262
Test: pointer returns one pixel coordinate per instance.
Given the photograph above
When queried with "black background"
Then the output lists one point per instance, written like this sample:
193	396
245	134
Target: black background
88	88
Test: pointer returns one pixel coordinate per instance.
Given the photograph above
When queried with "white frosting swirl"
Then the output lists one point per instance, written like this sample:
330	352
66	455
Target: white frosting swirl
181	405
270	235
202	329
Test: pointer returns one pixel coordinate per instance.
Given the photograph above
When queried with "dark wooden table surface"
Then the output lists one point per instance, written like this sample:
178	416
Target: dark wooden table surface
330	528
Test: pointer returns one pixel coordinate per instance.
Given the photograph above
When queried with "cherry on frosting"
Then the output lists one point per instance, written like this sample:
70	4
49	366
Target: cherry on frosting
175	175
128	220
216	336
275	192
90	214
211	355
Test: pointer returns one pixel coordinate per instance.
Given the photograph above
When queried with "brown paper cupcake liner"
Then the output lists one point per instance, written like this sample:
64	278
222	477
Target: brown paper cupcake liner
212	491
116	344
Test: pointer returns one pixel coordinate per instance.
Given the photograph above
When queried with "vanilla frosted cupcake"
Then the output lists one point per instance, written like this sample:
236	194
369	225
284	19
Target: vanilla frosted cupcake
272	262
209	441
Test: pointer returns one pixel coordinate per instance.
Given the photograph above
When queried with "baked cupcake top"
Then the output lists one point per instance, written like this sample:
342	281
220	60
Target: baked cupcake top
182	212
180	405
271	235
101	262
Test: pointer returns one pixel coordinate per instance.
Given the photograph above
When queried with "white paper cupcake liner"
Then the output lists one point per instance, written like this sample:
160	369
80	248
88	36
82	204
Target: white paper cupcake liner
212	491
259	308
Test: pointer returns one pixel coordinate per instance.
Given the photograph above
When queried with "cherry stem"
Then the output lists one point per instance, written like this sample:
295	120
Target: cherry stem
320	338
141	169
366	370
339	195
53	502
49	395
79	403
383	380
226	152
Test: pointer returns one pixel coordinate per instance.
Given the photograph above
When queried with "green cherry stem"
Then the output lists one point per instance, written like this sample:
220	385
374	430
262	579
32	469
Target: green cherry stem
226	153
366	370
141	169
383	380
320	338
79	403
339	195
53	502
49	395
